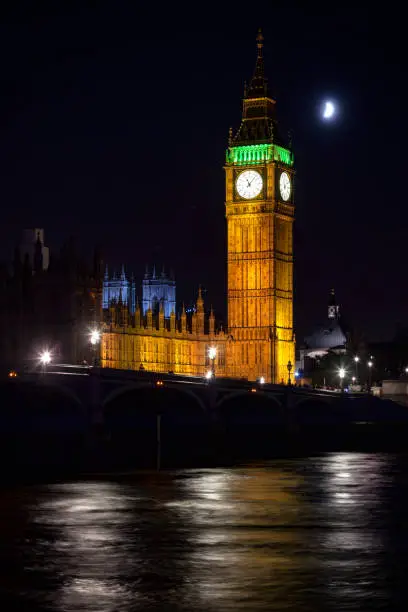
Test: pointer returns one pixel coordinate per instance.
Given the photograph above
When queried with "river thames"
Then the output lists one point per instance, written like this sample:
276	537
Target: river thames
324	533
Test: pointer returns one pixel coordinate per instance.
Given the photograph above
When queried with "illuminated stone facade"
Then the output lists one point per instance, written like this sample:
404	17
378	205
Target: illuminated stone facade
260	244
260	214
157	344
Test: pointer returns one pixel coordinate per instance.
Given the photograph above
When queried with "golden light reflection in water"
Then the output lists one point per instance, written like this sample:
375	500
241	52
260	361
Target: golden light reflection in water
247	538
91	518
305	534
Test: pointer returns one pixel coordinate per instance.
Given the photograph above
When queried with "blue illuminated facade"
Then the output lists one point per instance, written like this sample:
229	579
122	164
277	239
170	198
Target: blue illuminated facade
158	291
119	288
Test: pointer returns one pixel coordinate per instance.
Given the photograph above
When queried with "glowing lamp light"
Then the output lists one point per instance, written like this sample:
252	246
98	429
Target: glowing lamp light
353	379
406	370
370	364
208	375
45	357
296	374
95	336
342	373
212	352
253	390
12	374
159	383
356	358
328	110
262	380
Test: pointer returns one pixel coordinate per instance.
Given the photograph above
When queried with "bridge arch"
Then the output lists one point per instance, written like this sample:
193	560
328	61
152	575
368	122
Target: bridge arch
145	386
134	429
248	397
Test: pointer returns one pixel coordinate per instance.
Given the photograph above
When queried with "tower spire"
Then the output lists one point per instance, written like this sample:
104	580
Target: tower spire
333	309
258	85
258	125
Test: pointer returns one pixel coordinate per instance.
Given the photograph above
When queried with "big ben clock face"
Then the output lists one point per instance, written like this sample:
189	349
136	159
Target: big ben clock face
285	186
249	184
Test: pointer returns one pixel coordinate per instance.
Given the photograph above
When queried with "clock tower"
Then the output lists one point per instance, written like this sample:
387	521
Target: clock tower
260	213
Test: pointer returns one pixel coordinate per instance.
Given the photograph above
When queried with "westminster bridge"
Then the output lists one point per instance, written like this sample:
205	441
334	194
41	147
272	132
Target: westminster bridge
104	418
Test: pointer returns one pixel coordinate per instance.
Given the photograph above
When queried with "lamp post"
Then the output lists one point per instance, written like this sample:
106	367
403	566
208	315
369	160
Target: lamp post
356	360
370	366
289	366
342	373
212	354
95	338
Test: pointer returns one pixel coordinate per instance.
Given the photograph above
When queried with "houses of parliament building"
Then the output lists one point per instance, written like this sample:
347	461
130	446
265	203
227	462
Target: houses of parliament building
259	207
54	300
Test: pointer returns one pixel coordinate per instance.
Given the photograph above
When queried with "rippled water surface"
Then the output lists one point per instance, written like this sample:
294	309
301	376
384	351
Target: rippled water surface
327	533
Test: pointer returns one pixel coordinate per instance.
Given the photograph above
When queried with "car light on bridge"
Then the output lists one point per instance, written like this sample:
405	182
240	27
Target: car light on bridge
253	390
159	383
12	374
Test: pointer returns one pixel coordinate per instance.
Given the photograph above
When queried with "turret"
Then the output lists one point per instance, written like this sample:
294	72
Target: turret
137	314
200	313
161	317
149	318
172	321
124	315
112	312
211	323
183	321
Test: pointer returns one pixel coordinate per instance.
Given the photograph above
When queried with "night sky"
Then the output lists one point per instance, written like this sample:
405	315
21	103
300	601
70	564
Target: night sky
114	122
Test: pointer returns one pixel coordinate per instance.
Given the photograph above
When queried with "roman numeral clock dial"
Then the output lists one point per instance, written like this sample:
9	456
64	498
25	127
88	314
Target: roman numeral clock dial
249	184
285	187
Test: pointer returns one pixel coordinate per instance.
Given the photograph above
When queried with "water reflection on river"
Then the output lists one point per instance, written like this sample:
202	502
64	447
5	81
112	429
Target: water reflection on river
325	533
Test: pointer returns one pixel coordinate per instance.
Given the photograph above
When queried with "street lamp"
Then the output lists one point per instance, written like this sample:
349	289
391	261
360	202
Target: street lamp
209	375
289	366
342	373
45	359
353	379
356	359
95	338
370	366
212	354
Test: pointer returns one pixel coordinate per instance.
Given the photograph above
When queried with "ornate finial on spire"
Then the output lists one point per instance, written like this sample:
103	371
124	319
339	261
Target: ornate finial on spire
147	271
245	89
200	297
259	41
183	310
230	137
123	275
154	272
106	273
258	85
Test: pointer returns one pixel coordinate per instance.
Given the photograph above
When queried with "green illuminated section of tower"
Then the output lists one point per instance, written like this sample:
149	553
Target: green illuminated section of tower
258	154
